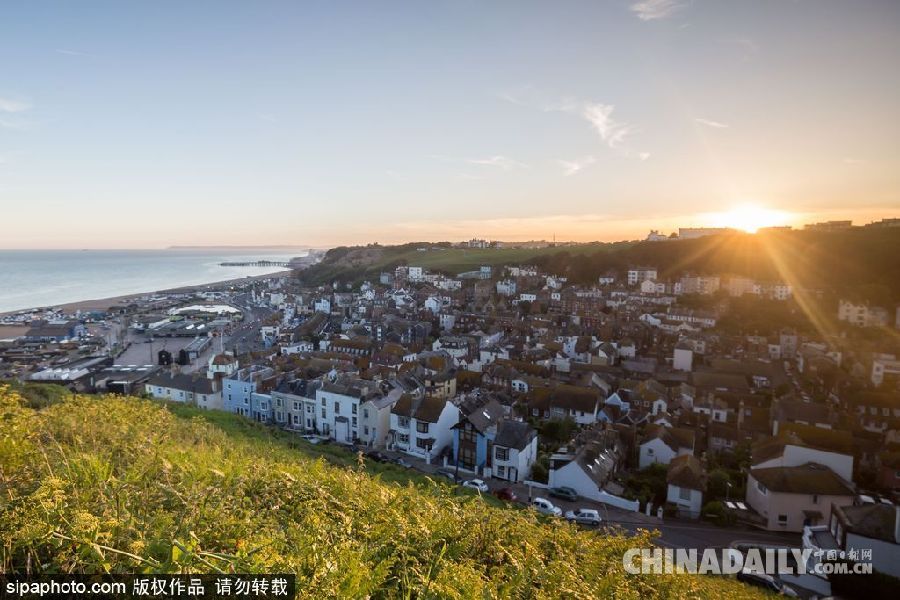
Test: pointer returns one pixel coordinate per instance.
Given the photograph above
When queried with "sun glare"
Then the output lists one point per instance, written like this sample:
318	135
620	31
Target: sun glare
750	218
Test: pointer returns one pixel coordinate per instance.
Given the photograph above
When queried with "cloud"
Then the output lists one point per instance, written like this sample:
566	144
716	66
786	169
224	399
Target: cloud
13	106
502	162
710	123
853	161
599	115
573	166
73	53
650	10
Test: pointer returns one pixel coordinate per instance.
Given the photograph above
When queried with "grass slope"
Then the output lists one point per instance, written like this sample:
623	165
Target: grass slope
112	484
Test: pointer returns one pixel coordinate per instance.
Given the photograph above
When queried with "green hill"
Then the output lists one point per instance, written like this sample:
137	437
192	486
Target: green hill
862	262
112	484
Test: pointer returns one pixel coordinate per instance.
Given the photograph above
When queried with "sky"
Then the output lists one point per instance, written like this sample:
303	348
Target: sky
143	125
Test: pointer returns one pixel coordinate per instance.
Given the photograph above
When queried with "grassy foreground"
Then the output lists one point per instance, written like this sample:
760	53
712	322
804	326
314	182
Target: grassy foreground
111	484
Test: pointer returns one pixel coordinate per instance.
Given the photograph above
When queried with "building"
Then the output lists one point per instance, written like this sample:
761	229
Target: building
475	432
662	444
187	388
685	485
828	226
885	368
239	388
422	426
338	402
790	498
637	275
515	451
862	314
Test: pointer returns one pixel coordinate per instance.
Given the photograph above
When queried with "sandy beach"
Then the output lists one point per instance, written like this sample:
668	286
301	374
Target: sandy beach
105	303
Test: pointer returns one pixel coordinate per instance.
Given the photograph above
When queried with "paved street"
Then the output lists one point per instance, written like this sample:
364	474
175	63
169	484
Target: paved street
674	533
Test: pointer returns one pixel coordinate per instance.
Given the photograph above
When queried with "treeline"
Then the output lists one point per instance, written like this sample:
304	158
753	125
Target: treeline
858	263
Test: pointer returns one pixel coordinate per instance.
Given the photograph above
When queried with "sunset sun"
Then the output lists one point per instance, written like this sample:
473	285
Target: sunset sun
750	218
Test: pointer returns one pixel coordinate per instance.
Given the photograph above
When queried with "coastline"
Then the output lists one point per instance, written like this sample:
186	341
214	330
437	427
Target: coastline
112	301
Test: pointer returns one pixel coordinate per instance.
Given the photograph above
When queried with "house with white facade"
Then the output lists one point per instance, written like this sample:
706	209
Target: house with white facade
515	450
337	407
662	444
422	426
685	485
187	388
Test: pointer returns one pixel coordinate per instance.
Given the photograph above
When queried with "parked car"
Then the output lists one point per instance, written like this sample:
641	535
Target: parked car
583	516
768	582
402	462
545	507
449	474
476	484
507	494
566	493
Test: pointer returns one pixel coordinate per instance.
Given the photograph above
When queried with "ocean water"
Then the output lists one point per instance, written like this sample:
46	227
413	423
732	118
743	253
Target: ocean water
33	278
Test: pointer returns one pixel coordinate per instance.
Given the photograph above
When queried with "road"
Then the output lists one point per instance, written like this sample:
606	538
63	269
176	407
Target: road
673	533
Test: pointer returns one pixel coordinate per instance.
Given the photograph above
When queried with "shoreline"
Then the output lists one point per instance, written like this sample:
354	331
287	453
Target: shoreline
112	301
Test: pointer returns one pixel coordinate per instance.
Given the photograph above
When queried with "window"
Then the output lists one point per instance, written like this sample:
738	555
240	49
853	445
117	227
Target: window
278	402
246	401
422	427
353	408
403	422
649	451
402	438
422	443
502	453
296	420
365	413
501	472
323	413
354	422
366	430
323	402
684	493
762	489
296	405
782	519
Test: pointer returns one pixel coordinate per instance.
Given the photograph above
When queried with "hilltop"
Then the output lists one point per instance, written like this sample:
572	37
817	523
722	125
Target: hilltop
121	484
863	262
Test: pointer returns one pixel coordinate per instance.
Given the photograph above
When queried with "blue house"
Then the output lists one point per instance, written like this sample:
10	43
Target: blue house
474	434
238	391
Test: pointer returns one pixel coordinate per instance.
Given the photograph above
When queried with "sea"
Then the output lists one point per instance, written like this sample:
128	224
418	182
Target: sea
38	278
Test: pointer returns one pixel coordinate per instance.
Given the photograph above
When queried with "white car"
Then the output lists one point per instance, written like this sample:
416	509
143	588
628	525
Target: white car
583	516
476	484
545	507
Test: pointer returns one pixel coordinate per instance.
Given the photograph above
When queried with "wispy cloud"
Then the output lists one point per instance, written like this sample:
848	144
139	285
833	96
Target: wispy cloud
570	167
499	161
650	10
612	131
600	117
73	53
711	123
13	106
853	161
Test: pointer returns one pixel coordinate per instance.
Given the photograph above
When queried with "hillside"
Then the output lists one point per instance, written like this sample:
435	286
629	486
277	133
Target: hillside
115	484
863	263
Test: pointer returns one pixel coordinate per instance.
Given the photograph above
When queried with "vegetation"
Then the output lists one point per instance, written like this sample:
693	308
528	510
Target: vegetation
648	485
862	264
119	484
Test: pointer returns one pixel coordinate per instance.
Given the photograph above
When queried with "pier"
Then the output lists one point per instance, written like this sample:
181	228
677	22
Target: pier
255	263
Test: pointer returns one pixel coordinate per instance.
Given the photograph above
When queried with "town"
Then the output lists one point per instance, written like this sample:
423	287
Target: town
622	403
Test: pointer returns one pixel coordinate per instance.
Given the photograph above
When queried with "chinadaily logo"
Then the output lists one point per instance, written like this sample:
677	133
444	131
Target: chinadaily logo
728	561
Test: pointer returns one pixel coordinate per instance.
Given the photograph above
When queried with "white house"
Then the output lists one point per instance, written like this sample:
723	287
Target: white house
515	450
338	405
686	483
662	444
375	419
186	388
422	426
